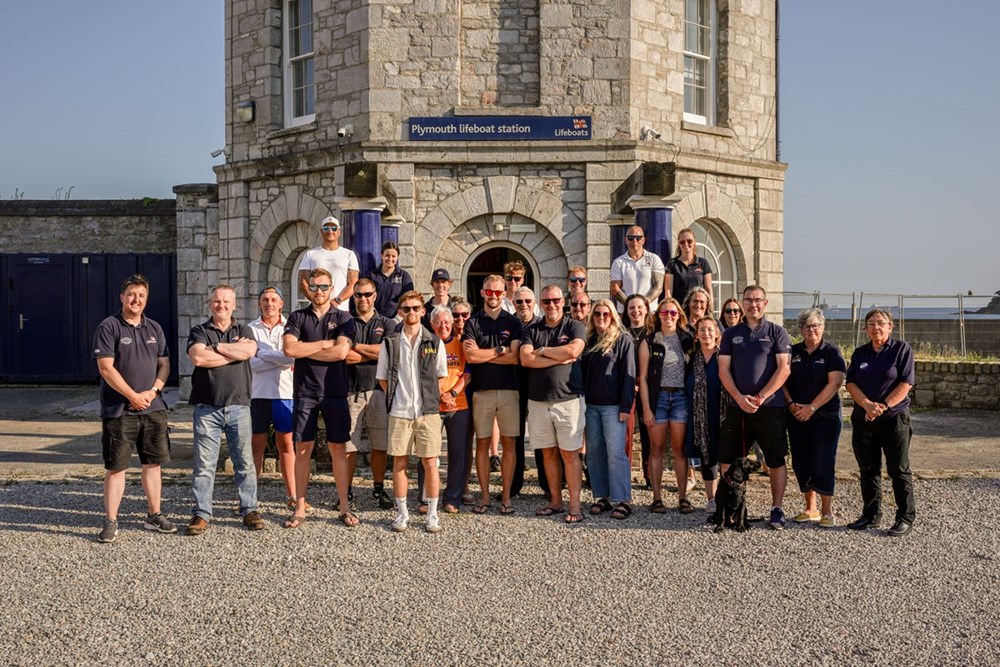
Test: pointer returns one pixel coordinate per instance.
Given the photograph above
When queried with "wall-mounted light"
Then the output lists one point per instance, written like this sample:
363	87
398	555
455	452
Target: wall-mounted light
246	111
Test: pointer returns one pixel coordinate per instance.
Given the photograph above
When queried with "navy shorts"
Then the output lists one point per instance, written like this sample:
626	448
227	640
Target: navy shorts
739	430
267	411
336	418
147	433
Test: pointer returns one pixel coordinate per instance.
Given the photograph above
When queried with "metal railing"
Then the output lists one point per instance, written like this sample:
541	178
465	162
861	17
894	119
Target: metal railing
936	324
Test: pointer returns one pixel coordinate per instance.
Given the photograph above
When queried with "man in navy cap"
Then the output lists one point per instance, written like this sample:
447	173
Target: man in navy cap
440	283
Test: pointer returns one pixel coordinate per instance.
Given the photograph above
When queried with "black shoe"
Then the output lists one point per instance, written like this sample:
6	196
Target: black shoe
899	529
494	464
383	499
864	523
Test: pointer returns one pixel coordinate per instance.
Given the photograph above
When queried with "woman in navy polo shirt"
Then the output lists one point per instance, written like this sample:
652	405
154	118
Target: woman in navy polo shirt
390	281
732	313
686	270
662	359
879	379
812	394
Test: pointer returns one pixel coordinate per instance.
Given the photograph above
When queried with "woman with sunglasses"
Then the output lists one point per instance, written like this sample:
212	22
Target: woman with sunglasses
686	270
732	313
704	392
662	360
608	368
391	280
641	323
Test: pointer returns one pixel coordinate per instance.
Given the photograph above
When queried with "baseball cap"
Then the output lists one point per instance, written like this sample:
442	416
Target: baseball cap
271	288
330	220
440	274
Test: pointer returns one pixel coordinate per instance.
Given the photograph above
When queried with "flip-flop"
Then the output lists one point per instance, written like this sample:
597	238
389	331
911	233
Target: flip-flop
349	520
480	509
507	509
574	518
549	511
295	521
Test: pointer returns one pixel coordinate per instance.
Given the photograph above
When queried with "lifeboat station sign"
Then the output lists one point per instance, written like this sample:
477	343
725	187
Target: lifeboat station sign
500	128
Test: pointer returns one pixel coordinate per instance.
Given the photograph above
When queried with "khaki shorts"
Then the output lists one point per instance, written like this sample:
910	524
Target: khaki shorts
368	412
499	404
558	424
419	437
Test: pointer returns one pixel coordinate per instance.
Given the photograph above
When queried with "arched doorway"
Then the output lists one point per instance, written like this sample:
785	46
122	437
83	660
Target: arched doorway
488	260
713	244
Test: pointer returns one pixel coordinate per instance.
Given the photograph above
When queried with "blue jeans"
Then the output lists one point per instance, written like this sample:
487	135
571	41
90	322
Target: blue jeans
209	423
607	460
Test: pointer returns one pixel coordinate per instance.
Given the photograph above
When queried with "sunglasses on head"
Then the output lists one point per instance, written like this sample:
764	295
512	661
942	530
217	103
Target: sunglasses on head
320	288
492	292
364	295
549	302
410	309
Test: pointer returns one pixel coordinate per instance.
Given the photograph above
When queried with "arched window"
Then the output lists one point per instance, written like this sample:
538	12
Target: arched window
714	245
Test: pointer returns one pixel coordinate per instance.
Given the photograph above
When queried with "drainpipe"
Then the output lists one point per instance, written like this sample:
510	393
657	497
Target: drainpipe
777	79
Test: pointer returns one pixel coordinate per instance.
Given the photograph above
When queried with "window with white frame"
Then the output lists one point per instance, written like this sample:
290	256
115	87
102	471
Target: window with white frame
714	245
300	85
699	61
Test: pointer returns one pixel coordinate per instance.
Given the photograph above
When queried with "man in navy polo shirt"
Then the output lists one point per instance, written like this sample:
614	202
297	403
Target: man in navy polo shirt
754	362
550	349
131	354
490	342
319	338
220	350
365	398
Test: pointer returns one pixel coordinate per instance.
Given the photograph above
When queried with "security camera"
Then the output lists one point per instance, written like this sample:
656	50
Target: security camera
649	133
217	153
345	131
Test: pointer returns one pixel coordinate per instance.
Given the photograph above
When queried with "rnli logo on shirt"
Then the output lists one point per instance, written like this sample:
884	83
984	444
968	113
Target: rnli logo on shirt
563	339
378	331
427	350
796	359
821	361
504	336
126	340
765	339
151	340
330	326
863	366
737	340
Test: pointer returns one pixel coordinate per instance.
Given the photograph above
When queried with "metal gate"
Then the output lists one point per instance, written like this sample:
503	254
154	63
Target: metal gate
54	303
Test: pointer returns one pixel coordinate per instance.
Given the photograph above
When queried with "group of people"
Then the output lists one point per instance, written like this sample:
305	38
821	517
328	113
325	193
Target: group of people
397	376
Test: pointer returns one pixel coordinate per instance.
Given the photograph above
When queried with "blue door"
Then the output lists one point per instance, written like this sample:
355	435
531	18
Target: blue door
41	318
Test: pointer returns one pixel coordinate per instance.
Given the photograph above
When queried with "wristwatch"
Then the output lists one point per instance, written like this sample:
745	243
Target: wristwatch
498	349
454	394
157	391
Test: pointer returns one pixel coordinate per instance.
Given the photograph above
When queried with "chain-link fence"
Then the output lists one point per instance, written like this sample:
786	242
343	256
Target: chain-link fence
934	324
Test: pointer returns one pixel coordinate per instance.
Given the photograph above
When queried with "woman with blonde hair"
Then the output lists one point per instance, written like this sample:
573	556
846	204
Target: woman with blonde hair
608	369
662	359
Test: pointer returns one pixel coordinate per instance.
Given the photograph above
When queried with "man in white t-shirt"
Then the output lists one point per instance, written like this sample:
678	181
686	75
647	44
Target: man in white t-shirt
342	264
637	271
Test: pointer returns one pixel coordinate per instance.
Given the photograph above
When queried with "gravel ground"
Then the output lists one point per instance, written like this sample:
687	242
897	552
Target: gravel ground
497	590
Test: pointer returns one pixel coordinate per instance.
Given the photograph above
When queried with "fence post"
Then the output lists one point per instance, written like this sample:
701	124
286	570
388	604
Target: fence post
961	323
857	315
902	316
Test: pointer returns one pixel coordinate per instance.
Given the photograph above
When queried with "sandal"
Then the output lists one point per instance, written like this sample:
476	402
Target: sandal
295	521
349	520
448	508
601	506
290	503
574	518
422	508
480	509
507	509
657	507
549	511
621	511
684	506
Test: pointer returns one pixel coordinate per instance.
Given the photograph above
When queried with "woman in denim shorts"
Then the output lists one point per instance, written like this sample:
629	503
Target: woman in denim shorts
662	359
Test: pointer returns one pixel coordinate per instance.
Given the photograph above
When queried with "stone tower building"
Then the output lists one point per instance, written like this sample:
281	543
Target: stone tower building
475	131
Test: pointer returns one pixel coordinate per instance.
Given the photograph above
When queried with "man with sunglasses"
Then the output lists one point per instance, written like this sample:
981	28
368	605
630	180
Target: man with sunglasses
576	280
755	359
636	271
550	349
319	337
527	306
579	307
365	398
341	263
513	276
490	342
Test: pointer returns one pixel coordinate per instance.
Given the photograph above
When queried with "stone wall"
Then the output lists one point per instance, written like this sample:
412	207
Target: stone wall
955	384
139	226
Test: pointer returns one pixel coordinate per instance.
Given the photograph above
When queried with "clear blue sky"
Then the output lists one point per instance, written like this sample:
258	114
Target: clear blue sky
889	121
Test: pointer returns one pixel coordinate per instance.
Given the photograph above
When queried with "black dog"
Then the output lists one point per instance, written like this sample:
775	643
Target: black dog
731	498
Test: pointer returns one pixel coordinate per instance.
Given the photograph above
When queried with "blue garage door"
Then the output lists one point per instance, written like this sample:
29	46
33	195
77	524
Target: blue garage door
55	302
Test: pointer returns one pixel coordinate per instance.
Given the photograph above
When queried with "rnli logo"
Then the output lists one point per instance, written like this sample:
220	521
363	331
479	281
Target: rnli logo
504	335
330	326
126	340
821	361
579	123
379	331
563	339
151	341
863	366
796	359
737	340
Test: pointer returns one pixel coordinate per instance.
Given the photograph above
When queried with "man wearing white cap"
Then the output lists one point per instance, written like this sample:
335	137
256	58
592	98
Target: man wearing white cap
341	262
